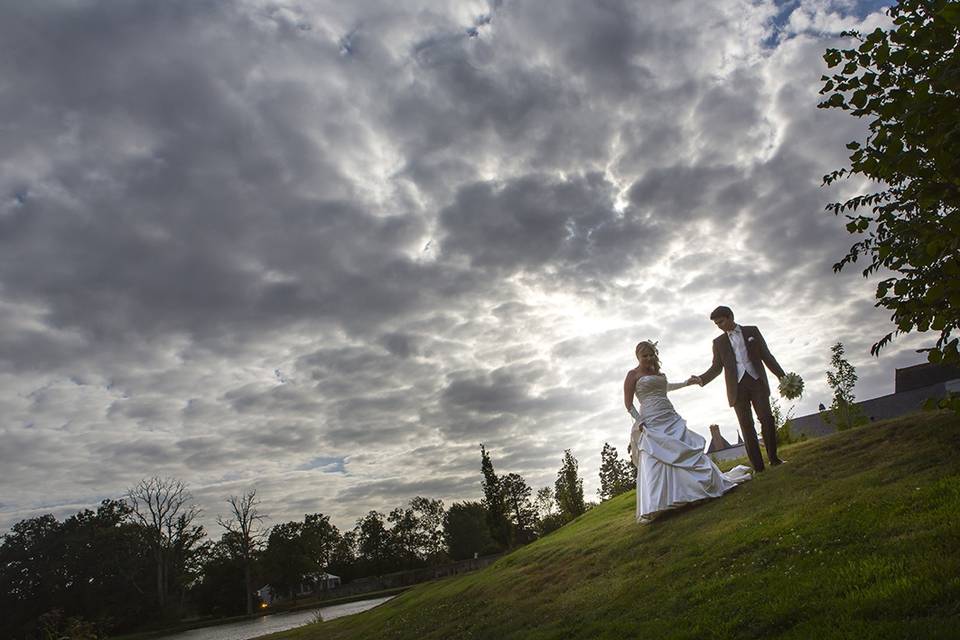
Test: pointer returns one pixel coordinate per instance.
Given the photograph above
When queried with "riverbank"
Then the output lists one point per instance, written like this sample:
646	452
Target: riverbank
855	537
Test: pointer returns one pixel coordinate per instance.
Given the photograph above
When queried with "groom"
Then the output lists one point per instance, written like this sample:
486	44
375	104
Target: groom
741	353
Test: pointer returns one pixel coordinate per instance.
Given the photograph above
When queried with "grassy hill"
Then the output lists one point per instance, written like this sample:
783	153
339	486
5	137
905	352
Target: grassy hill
858	536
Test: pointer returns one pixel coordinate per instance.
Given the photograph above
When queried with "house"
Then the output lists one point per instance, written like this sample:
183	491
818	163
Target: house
720	449
912	387
324	581
265	593
309	585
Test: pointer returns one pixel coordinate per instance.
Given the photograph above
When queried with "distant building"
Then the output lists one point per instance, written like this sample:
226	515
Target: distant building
309	585
912	387
265	593
720	449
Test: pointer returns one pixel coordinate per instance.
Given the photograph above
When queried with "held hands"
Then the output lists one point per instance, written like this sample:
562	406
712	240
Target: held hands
694	380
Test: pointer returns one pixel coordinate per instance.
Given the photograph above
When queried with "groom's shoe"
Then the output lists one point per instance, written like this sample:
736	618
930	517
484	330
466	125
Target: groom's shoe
777	462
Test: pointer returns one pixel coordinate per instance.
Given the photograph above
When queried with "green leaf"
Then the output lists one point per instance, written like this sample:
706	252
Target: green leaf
951	13
881	54
934	293
859	98
850	67
853	145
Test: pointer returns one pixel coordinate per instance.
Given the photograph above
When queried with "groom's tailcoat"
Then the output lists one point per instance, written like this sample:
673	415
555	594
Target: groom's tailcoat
724	359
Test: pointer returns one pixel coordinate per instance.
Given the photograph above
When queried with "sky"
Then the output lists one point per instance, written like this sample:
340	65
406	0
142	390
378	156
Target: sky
326	249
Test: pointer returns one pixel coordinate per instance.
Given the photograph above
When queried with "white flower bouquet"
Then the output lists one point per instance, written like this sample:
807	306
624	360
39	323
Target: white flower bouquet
791	386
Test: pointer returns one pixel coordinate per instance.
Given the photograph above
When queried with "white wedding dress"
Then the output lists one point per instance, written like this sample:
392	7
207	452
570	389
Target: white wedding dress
672	469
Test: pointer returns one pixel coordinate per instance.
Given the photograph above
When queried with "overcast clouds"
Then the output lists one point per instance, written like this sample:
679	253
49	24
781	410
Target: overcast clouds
326	249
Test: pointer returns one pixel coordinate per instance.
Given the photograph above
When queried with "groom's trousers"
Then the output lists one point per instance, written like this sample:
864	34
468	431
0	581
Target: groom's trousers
753	396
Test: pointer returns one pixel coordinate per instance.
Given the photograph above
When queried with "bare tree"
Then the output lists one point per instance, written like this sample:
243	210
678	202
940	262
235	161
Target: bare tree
165	509
245	534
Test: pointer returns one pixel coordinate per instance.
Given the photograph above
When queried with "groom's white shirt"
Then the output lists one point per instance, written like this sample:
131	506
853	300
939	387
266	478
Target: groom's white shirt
740	351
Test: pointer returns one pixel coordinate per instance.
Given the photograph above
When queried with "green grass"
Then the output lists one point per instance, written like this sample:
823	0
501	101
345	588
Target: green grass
857	536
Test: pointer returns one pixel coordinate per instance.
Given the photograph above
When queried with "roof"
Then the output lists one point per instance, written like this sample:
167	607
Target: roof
923	375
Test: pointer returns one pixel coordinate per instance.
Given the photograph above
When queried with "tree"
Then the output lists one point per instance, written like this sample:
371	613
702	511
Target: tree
430	517
186	560
417	532
221	590
843	412
29	572
84	572
569	488
493	500
245	535
343	560
782	420
545	503
905	81
466	531
374	544
104	567
616	475
520	510
404	537
164	508
320	540
548	518
285	560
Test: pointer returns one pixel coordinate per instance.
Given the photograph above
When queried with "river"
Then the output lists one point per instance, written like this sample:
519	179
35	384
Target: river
273	623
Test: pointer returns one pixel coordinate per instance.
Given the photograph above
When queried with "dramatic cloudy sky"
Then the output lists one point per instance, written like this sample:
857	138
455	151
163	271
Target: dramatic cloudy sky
325	249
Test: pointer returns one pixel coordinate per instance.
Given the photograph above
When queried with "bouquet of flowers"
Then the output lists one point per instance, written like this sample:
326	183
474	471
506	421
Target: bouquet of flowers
791	386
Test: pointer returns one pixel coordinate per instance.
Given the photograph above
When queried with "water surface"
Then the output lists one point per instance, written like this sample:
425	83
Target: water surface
274	622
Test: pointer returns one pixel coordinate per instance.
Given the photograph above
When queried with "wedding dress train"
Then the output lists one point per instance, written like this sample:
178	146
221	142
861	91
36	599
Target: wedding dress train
672	469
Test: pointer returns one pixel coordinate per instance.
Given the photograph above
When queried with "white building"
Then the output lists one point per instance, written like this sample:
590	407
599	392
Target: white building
309	585
719	449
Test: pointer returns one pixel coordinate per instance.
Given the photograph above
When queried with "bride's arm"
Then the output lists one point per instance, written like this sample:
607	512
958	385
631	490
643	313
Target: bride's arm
629	383
673	386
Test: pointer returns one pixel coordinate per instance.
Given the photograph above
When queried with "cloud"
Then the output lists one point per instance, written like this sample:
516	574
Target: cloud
328	249
567	228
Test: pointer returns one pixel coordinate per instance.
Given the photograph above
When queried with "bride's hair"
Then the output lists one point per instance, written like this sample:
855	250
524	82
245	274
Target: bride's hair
650	347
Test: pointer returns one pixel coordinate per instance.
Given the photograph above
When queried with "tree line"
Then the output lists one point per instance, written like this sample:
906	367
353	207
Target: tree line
143	560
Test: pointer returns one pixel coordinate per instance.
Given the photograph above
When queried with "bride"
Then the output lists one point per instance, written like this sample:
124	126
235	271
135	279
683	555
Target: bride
672	469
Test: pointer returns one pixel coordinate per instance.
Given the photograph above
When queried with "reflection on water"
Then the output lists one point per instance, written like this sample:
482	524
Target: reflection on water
273	623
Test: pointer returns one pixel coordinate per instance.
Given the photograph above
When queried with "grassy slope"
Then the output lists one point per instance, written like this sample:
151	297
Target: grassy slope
857	536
